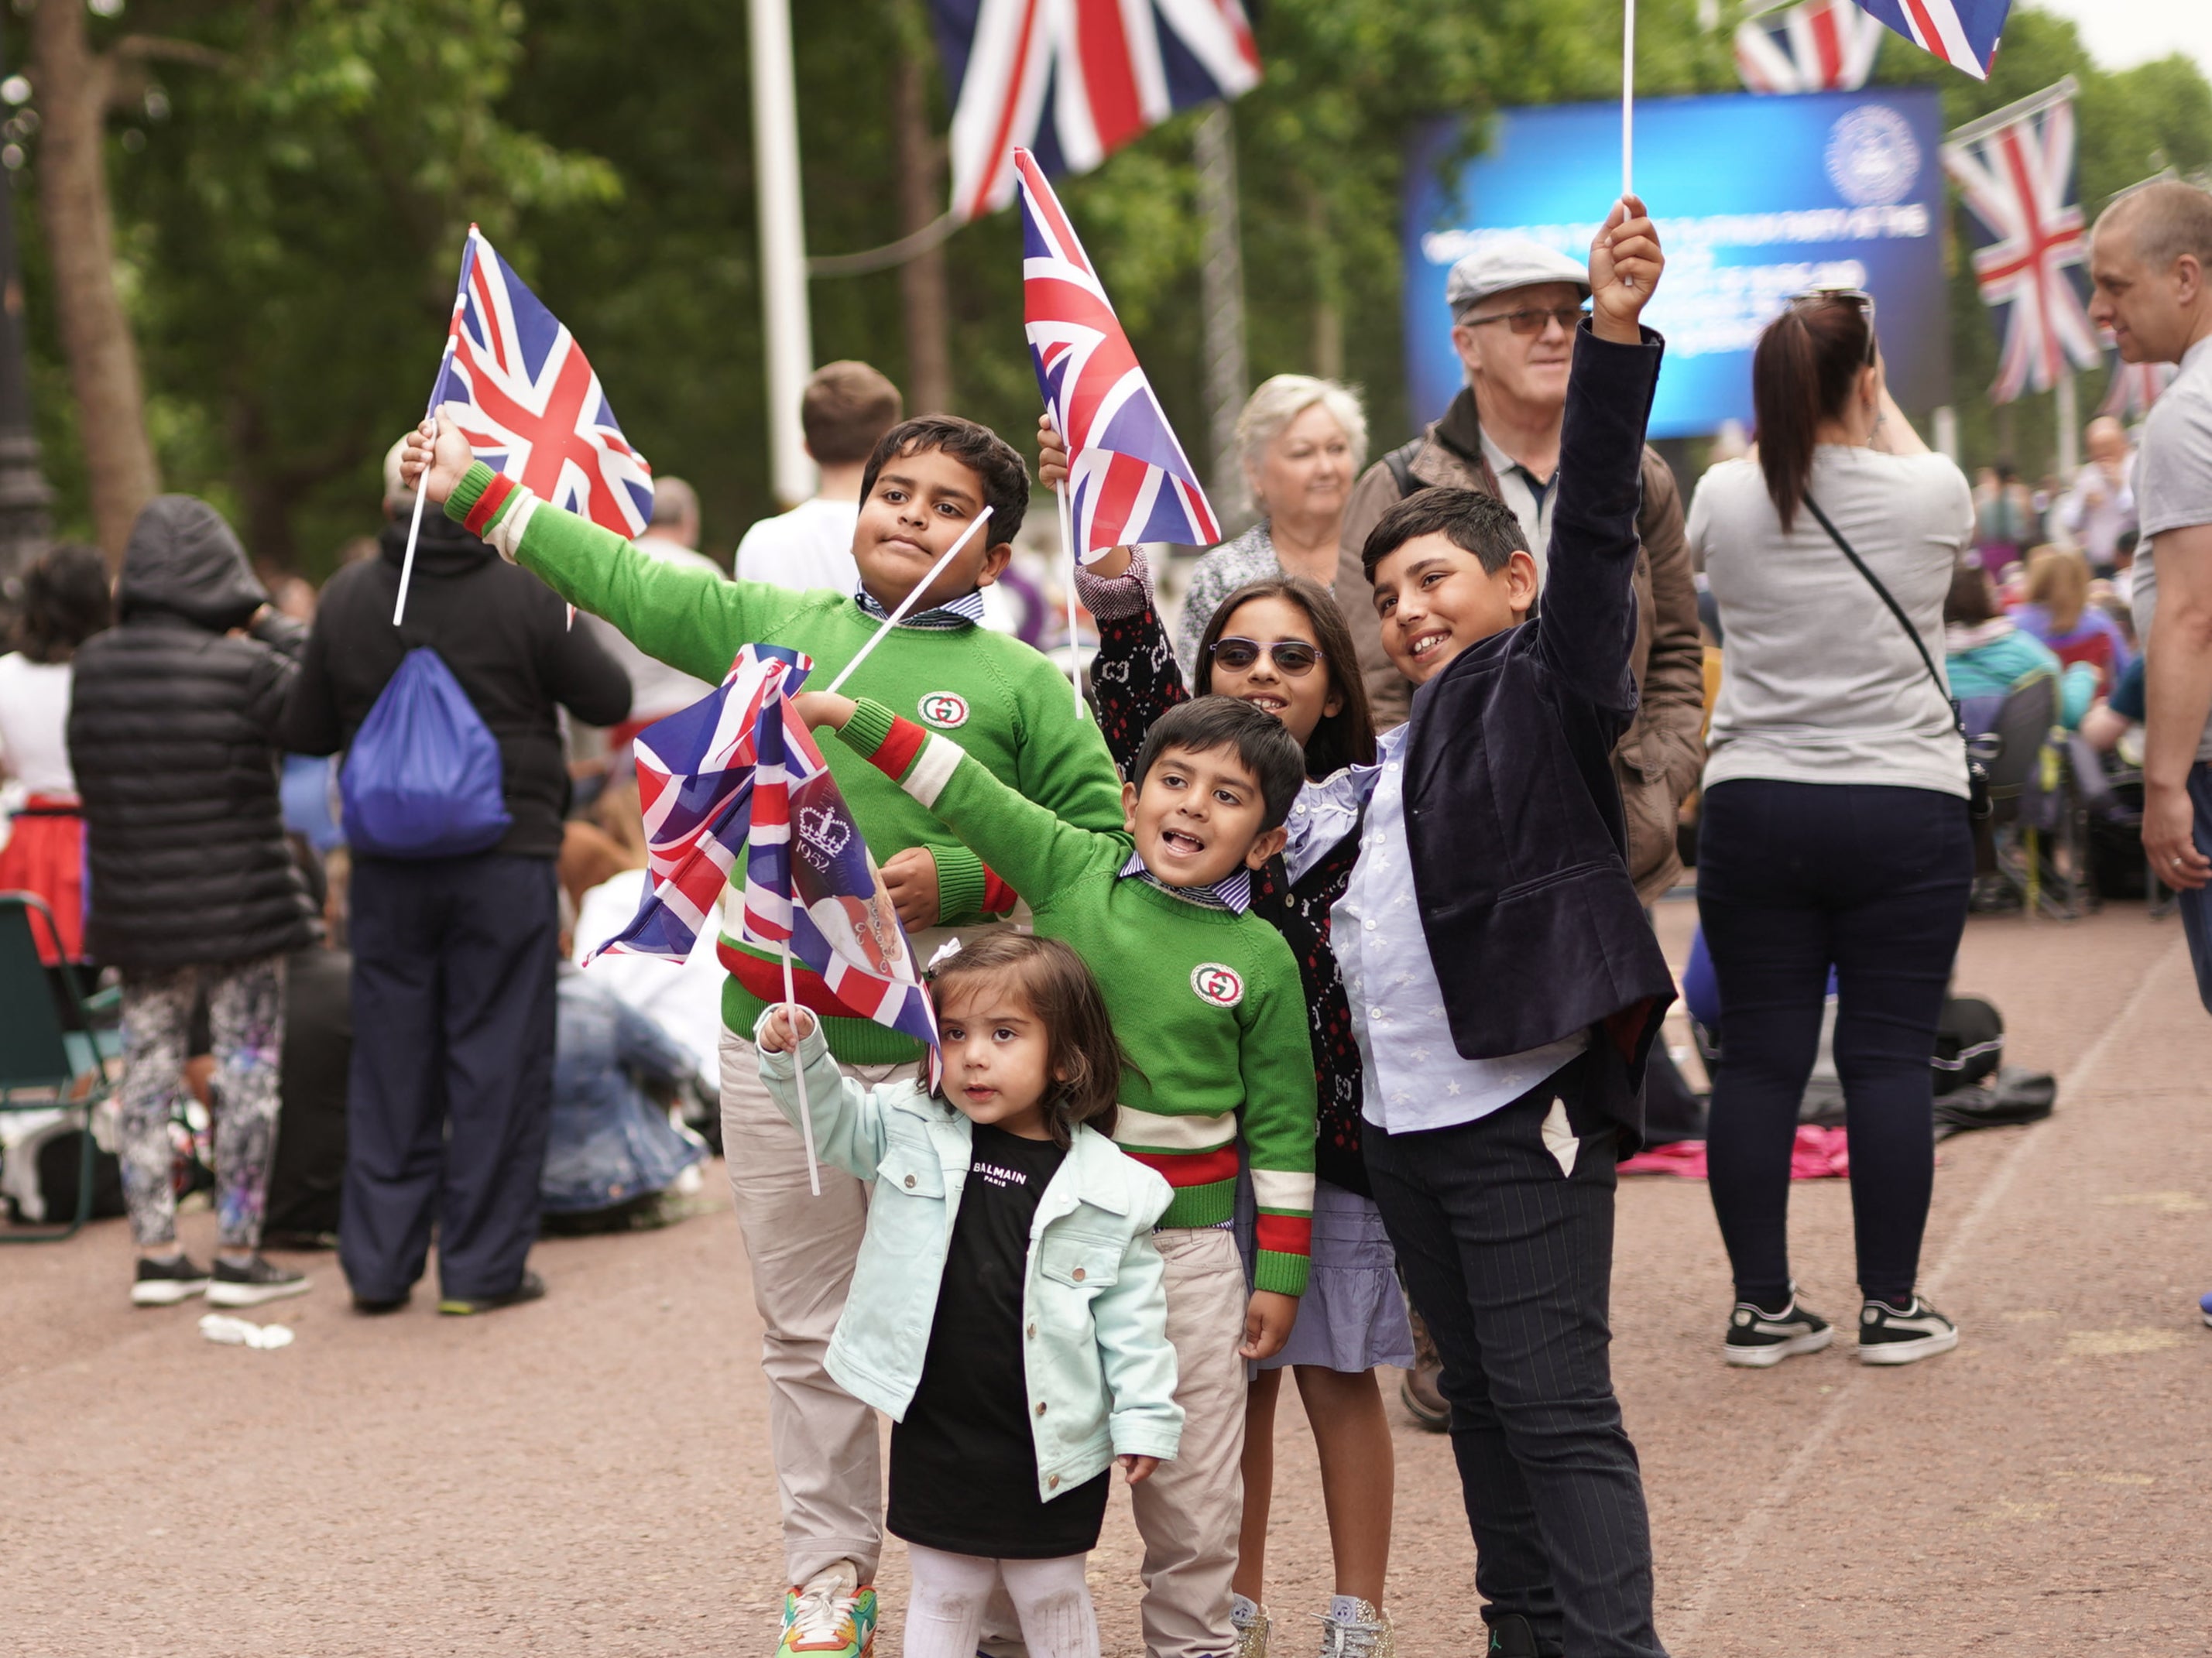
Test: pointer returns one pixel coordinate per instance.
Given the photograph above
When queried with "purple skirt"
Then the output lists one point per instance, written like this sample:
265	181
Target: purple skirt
1353	1315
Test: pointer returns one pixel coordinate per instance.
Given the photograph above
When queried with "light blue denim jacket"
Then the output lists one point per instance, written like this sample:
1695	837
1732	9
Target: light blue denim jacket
1101	1375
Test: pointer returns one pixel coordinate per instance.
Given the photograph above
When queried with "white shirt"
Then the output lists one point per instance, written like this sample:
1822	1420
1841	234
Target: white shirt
810	546
2099	523
34	705
1415	1077
655	689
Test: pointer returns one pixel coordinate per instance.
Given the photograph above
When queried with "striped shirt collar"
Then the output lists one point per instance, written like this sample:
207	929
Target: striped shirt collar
1233	893
965	612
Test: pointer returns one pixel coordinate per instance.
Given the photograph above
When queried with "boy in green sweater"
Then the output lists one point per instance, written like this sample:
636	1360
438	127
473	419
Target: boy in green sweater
926	482
1206	1001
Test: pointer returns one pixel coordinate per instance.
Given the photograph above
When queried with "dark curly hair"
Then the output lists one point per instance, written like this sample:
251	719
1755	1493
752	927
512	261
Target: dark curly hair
64	601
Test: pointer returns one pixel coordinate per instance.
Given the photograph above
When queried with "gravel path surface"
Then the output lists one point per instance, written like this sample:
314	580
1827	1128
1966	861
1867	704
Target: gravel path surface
589	1475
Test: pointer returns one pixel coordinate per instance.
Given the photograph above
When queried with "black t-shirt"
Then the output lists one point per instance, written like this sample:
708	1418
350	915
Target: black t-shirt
963	1463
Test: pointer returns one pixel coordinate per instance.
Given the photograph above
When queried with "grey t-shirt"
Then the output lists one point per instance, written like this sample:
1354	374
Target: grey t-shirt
1819	685
2173	480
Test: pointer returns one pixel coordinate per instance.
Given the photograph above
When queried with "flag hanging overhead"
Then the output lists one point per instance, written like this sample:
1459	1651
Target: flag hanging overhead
519	386
1962	33
2135	387
2016	168
1127	479
1822	45
739	769
1073	80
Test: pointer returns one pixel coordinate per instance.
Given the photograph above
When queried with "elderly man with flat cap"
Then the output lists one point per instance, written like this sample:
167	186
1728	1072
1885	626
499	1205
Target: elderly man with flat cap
1514	307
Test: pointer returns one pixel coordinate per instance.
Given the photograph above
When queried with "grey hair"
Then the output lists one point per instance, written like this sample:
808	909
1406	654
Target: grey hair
1281	400
674	502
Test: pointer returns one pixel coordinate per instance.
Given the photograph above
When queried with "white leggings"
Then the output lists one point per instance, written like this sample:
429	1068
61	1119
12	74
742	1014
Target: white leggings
944	1618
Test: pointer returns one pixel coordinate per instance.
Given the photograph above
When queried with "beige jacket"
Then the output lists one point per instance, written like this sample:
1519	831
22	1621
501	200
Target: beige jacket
1658	761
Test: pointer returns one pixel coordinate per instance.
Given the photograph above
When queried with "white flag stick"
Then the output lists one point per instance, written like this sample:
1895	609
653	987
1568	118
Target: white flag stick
798	1064
430	409
906	604
1628	98
1074	563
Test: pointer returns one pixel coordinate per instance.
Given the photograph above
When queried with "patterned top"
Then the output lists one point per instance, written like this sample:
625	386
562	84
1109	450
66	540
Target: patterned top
1249	557
1135	680
965	612
1233	892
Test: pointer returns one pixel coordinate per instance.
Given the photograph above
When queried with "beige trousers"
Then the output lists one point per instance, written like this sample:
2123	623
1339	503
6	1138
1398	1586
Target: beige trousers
802	1247
1189	1512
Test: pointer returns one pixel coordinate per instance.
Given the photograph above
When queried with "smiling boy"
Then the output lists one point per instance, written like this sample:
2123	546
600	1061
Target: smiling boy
1206	1001
927	481
1505	987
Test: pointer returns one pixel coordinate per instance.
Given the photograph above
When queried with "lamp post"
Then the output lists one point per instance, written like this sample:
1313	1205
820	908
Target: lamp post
26	528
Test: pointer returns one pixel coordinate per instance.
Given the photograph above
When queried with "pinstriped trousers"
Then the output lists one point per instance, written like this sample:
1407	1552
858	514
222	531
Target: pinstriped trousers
1508	1258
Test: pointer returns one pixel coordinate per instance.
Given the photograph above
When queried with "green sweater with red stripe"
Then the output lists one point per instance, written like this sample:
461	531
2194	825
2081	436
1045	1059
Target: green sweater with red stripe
1008	704
1207	1003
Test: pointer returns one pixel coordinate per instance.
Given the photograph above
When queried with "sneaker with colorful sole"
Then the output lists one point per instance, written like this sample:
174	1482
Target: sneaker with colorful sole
820	1622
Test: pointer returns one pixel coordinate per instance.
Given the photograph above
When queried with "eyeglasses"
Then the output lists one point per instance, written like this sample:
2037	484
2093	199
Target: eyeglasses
1532	320
1857	298
1293	656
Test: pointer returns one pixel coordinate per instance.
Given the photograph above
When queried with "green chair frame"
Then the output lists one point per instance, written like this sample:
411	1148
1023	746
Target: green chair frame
39	1057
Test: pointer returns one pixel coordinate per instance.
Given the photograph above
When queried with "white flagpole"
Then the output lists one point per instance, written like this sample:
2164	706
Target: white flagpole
797	1063
1628	98
1074	563
906	604
429	409
788	337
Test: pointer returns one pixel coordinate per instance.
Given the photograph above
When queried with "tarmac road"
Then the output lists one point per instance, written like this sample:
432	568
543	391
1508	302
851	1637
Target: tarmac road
589	1475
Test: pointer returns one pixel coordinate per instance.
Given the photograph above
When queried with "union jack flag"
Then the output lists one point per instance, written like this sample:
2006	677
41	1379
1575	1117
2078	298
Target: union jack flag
2019	180
2135	387
1822	45
517	384
1075	80
1128	479
739	769
1962	33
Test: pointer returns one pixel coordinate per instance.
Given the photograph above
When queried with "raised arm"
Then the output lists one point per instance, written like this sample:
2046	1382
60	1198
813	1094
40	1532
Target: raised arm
1135	677
848	1116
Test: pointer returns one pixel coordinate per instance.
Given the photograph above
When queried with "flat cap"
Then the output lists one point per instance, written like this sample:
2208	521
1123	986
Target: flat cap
1509	262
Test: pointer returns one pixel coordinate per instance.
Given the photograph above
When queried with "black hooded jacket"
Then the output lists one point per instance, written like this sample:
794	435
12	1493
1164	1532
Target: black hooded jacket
173	737
505	635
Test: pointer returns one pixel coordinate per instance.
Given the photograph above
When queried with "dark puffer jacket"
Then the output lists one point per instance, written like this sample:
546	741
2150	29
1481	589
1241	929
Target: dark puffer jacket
172	733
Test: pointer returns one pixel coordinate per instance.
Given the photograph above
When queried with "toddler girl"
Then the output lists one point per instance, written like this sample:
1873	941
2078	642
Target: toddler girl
1007	1309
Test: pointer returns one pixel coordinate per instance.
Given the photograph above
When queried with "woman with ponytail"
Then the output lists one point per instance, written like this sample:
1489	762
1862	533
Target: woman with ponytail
1835	830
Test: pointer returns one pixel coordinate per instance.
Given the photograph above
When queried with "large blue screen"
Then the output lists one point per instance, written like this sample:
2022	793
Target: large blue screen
1757	198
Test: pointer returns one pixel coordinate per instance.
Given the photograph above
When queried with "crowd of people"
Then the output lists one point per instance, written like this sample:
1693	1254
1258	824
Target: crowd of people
1295	1006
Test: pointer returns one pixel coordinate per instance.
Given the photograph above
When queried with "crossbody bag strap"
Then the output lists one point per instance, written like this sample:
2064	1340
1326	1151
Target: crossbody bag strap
1895	609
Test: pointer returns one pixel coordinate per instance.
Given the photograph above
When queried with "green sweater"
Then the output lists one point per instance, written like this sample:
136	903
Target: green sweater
1009	706
1207	1003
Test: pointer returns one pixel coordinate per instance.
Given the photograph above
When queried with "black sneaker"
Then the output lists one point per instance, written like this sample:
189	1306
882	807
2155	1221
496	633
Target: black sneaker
531	1288
376	1306
260	1279
1900	1335
165	1283
1759	1337
1512	1635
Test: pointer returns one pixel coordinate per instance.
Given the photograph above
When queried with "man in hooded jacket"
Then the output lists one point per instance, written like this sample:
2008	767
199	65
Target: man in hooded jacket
172	734
450	1097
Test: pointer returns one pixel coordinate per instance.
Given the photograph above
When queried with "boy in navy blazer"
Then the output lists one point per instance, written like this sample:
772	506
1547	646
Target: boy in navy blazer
1505	985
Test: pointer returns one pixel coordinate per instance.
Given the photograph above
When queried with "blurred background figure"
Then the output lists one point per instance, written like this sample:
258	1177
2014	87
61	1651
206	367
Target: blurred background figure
2004	518
846	407
656	690
2058	612
2100	507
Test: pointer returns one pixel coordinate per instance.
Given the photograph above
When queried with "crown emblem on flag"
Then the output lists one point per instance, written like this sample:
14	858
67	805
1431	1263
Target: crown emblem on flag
825	833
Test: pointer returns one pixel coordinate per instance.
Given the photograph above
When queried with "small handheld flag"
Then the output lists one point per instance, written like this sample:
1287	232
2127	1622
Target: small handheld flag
1962	33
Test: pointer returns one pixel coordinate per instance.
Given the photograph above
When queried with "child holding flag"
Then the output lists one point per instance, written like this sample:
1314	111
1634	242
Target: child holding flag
1008	1312
1206	999
927	481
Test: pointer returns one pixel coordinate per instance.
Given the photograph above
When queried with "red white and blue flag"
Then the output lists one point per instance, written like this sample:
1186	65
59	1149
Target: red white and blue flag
1073	80
2135	387
518	386
737	769
2018	178
1822	45
1128	479
1962	33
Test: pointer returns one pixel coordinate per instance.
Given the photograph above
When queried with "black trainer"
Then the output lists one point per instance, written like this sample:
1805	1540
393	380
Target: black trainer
1900	1335
165	1283
1512	1635
1759	1337
378	1306
258	1280
531	1288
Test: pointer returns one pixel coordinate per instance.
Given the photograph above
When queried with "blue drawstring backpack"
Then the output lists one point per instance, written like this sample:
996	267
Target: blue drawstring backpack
423	777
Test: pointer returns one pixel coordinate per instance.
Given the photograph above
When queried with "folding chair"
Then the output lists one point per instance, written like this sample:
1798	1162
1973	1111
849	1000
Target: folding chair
2015	742
44	1065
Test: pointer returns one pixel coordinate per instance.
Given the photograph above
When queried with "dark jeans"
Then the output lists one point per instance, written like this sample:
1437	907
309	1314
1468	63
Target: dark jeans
2196	903
1794	878
451	1094
1510	1262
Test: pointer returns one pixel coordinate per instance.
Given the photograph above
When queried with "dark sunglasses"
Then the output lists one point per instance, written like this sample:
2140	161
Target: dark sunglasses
1857	298
1532	320
1293	656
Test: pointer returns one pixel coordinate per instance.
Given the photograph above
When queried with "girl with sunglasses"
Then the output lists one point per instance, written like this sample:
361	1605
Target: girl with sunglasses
1281	644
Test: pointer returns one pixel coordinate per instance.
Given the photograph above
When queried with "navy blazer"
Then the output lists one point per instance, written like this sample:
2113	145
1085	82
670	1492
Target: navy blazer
1513	818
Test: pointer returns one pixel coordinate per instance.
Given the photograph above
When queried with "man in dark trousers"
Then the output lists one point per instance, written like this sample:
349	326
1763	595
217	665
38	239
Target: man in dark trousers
452	1086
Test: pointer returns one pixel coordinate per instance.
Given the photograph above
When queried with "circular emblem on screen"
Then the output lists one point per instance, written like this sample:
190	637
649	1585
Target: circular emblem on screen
1217	984
1873	157
944	709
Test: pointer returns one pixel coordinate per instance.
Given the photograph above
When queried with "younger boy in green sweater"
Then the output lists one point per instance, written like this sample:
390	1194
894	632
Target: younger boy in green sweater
926	482
1206	1001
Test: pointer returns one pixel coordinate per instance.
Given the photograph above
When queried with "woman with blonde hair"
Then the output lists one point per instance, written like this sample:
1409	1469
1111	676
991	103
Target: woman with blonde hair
2058	612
